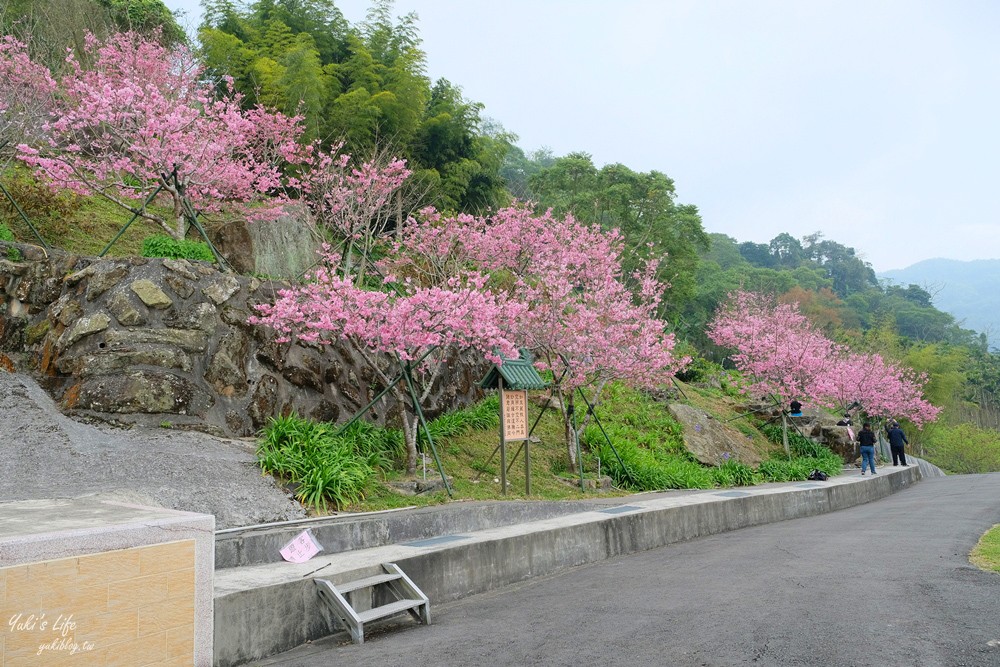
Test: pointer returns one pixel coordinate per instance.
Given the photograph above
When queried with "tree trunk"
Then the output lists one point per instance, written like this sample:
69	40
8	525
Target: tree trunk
178	216
411	425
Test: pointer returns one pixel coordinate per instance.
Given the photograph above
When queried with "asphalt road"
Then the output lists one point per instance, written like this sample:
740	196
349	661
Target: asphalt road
883	584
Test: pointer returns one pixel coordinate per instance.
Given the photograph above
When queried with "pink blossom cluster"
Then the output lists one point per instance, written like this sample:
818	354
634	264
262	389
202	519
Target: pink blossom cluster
26	90
463	314
140	111
775	344
786	356
884	388
494	284
347	199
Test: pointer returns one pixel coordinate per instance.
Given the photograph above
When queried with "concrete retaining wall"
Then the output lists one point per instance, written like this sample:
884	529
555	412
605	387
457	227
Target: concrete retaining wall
256	545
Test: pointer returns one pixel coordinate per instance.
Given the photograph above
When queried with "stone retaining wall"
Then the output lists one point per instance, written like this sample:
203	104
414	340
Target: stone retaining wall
152	340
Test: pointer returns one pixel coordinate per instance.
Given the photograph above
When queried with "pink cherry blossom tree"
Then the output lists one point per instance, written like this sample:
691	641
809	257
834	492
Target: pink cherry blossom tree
777	348
785	356
577	314
141	111
420	326
354	202
26	90
884	389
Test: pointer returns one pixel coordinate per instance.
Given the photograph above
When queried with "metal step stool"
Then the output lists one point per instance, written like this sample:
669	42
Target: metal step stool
341	600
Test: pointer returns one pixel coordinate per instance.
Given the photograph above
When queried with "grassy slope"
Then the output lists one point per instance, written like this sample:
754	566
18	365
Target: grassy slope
986	554
474	475
76	224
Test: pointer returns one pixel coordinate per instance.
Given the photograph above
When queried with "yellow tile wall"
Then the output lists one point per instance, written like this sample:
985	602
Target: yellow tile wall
133	608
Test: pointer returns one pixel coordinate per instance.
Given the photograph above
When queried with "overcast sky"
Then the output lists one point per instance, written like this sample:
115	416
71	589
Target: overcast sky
874	122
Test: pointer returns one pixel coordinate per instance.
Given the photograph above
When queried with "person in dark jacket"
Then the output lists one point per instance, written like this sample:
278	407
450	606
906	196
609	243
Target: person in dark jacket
897	439
866	438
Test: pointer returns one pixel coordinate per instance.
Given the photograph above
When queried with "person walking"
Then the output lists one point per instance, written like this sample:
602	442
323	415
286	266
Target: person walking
866	438
897	440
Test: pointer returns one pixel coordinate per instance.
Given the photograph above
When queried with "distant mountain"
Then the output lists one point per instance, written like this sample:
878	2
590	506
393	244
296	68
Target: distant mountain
968	290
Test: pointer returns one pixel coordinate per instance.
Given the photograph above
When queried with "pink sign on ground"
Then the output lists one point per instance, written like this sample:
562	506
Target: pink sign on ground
302	547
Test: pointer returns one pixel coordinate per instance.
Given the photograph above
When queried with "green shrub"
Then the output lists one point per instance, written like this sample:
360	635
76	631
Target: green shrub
14	255
36	198
964	448
5	233
326	468
648	470
700	369
160	245
734	473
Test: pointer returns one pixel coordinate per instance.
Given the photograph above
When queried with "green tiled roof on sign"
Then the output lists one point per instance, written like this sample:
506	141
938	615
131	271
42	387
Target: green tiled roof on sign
516	374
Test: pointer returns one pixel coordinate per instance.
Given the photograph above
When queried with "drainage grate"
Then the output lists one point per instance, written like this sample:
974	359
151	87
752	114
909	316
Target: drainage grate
619	510
444	539
733	494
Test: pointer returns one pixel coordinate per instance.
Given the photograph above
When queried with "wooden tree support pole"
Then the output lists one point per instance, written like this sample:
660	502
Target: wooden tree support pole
503	442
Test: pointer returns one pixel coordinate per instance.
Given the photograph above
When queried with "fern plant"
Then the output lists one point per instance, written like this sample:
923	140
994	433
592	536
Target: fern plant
160	245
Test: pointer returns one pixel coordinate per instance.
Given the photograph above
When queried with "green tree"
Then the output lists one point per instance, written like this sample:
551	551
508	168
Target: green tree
642	205
850	274
364	86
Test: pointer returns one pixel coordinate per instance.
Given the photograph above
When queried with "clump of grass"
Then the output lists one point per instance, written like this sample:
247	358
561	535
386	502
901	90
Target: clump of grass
734	473
652	469
986	554
479	417
325	468
797	469
381	448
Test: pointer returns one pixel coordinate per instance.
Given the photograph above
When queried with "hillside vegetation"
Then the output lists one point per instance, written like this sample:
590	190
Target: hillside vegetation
362	468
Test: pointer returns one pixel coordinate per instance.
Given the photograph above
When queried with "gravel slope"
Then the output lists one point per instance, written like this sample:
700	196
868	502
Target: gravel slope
45	454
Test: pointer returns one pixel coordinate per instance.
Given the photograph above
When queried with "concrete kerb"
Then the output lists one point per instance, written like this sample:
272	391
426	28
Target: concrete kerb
265	609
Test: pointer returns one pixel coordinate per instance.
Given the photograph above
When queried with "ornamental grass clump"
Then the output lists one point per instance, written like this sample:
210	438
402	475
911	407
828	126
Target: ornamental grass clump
324	468
652	469
734	473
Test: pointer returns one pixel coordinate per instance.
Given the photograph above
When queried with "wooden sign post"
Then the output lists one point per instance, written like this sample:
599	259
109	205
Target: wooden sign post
512	379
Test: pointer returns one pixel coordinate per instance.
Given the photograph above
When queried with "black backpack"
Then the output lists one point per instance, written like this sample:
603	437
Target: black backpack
818	475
